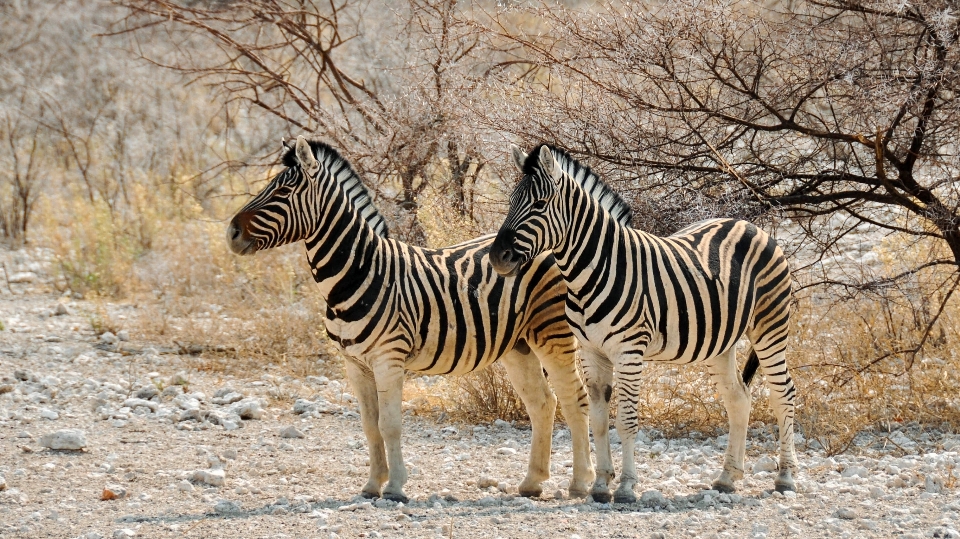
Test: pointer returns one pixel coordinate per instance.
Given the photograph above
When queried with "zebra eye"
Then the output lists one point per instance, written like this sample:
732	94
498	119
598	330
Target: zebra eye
540	205
283	191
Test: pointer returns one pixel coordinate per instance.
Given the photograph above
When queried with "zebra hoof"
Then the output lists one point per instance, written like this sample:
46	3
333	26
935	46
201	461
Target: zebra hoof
601	497
395	497
723	487
784	482
370	495
624	497
578	492
531	492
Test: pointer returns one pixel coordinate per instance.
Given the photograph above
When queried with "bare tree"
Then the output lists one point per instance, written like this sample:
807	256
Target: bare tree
832	107
330	69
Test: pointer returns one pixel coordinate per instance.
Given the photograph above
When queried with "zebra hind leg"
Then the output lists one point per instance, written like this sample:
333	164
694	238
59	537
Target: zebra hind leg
389	375
598	375
629	370
361	379
560	363
526	376
782	393
736	400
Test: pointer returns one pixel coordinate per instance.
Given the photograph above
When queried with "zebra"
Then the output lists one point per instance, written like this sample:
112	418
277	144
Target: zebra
393	307
636	297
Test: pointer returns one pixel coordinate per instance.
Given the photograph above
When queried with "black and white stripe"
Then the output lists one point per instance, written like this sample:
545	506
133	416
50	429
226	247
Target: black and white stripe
636	297
393	307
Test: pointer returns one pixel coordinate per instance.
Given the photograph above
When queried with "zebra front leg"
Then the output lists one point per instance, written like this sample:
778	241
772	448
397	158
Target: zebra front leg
526	375
629	370
736	399
389	375
598	375
363	384
561	367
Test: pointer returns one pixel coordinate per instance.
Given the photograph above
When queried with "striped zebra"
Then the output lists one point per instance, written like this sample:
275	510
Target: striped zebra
393	307
636	297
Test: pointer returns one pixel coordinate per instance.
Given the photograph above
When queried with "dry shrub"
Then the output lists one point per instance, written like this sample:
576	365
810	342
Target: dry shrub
481	397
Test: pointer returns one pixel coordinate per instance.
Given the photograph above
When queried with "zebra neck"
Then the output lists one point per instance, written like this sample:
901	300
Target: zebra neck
343	253
585	254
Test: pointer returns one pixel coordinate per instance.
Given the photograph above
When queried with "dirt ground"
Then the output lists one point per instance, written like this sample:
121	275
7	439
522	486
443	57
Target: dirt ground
199	454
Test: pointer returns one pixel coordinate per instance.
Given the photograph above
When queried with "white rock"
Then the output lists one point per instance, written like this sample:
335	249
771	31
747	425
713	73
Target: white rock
765	464
876	492
653	498
506	451
290	432
248	408
3	483
123	533
854	471
846	513
214	478
933	484
123	335
108	338
185	486
133	403
67	439
46	413
22	277
186	402
61	310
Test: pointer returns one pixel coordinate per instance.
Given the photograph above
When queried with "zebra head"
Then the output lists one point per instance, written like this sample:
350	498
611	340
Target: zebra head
274	217
535	222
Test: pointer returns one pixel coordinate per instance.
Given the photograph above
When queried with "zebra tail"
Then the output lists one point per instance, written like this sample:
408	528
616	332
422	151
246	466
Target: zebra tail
750	368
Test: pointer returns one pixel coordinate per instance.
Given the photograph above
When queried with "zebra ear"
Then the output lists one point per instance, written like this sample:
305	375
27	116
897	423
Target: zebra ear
285	145
305	157
519	158
548	164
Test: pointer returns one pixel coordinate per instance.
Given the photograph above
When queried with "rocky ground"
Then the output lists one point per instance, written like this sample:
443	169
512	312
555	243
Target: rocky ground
148	447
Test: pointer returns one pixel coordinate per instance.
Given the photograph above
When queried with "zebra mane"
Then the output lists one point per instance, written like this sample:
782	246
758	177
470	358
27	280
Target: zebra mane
588	181
349	181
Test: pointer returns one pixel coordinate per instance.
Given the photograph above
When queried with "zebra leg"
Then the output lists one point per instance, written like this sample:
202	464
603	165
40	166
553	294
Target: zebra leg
782	393
362	381
598	375
736	399
389	375
526	375
561	367
628	378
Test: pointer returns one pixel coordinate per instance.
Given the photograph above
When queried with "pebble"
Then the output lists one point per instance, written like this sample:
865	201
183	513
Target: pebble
846	513
506	451
3	483
226	507
61	310
185	486
123	533
123	335
248	408
214	478
67	439
653	498
290	432
113	492
765	464
486	482
108	338
46	413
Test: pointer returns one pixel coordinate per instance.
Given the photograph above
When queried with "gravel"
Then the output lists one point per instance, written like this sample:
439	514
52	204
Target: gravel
202	464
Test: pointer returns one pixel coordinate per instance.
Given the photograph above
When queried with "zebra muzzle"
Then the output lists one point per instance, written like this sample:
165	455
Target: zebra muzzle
239	242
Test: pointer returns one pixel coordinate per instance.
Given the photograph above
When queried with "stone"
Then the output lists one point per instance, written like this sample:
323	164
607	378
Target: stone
61	310
248	408
854	471
124	533
933	484
133	403
486	482
67	439
303	406
653	498
765	464
506	451
226	396
215	478
146	392
179	379
3	483
185	486
846	513
123	335
47	413
290	432
108	338
113	492
226	507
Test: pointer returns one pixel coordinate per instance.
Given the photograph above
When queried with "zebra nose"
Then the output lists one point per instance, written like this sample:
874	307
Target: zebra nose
235	239
233	232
